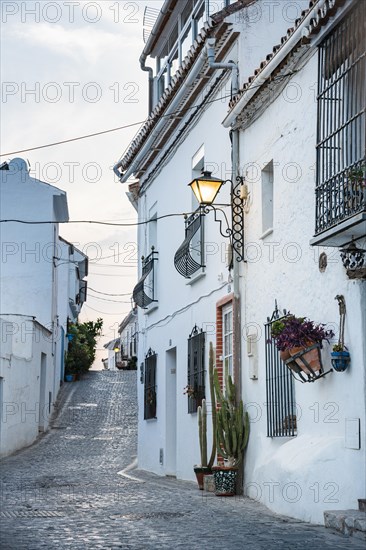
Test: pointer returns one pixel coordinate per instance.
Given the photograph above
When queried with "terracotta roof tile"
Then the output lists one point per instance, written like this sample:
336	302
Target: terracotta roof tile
322	14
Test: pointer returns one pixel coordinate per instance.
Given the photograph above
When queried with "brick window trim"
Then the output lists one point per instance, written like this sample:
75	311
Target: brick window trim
225	301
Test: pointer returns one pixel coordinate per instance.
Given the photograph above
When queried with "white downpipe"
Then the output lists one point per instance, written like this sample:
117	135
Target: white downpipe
210	47
268	69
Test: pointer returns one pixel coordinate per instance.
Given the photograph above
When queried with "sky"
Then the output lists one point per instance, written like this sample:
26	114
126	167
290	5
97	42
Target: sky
70	68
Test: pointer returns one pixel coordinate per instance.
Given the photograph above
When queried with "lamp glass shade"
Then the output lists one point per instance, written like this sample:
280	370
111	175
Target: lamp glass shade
116	349
206	188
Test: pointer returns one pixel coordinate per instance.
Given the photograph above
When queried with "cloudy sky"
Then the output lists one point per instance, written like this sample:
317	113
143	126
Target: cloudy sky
71	68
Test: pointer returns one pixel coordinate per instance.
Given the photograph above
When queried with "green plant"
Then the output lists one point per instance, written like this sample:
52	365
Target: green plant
132	363
339	347
292	332
202	417
81	350
232	424
202	432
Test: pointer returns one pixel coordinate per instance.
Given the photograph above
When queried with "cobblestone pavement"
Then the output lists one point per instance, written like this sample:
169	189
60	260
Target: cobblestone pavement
64	491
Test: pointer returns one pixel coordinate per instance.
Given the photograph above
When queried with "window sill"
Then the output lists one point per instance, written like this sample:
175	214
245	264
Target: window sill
196	278
151	308
266	233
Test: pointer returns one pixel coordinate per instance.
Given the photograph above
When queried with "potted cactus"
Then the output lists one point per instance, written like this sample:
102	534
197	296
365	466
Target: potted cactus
205	468
232	433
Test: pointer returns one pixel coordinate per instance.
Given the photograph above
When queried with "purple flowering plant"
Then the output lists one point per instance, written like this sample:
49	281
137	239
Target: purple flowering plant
292	332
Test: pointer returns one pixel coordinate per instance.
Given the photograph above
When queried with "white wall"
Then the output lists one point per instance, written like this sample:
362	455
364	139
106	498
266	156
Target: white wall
182	304
34	284
313	471
164	327
25	396
27	271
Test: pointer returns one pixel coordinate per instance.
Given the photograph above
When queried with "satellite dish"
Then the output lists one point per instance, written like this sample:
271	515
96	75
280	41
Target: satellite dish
18	165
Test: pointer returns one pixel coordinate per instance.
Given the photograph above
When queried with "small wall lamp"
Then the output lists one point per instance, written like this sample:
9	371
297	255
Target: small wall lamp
205	189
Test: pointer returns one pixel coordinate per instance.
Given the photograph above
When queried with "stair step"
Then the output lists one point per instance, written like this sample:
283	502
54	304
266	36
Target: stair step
347	522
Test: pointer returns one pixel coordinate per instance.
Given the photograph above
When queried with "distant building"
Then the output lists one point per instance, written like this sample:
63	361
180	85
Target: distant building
42	287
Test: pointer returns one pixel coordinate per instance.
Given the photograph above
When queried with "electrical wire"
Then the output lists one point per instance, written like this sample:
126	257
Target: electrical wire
110	274
107	300
96	264
168	115
99	222
105	312
107	294
171	316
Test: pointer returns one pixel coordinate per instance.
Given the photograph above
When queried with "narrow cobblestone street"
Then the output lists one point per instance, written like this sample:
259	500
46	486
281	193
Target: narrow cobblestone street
65	490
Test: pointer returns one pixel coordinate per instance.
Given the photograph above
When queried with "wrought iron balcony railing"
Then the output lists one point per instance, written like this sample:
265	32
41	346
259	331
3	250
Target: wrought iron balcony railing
144	292
341	197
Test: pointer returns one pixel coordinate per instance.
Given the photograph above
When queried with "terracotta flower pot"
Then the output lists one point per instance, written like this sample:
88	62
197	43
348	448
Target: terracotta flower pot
311	357
285	355
201	472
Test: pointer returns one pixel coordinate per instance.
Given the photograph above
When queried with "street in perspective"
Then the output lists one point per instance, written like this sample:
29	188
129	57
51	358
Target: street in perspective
74	489
182	274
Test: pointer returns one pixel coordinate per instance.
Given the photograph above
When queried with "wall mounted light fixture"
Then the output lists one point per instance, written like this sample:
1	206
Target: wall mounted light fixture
206	189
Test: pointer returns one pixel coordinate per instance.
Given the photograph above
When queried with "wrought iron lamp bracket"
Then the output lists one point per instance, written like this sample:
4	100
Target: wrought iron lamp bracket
236	232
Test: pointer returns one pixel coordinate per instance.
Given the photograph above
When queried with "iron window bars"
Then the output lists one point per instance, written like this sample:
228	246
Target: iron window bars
189	257
150	385
144	291
196	369
341	184
281	406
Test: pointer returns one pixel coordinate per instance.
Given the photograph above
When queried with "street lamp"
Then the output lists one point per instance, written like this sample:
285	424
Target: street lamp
205	189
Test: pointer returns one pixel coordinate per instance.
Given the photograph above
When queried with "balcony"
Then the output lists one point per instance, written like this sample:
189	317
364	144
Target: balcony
341	160
341	208
189	257
145	291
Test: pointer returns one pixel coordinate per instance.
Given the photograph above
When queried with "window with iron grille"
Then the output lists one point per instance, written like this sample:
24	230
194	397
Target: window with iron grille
196	369
340	191
150	385
281	406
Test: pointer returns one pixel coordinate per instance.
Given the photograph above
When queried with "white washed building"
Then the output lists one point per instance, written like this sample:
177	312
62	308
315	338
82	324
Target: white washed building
36	282
72	268
301	138
128	331
186	294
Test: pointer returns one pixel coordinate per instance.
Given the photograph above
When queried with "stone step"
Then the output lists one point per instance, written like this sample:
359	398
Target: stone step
347	522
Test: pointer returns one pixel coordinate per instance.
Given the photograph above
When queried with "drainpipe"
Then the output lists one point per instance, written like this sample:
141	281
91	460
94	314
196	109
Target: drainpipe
151	79
234	134
210	48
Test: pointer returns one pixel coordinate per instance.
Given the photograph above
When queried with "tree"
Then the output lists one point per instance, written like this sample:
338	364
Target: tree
81	351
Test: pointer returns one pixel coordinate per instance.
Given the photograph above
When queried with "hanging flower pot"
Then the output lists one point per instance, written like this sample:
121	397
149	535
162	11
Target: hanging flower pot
340	360
308	358
299	341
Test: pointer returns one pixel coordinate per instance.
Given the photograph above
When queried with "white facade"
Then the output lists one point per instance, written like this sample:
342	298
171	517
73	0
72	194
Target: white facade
26	381
72	268
299	476
35	288
128	331
316	470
